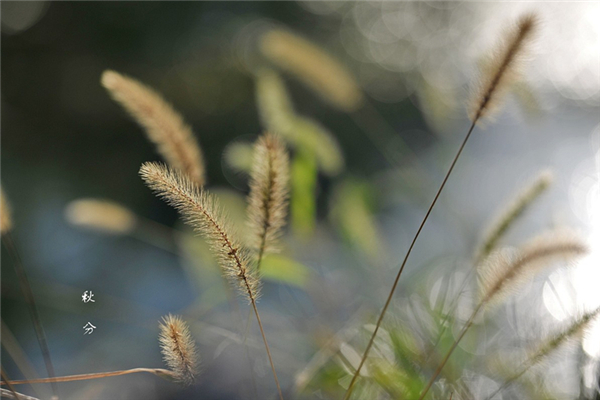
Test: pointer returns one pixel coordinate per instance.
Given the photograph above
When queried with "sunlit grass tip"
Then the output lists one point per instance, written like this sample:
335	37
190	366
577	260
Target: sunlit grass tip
502	68
512	212
201	211
504	270
178	349
164	126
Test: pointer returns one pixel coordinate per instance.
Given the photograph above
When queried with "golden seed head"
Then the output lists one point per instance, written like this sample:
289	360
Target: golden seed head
165	127
178	349
505	270
502	68
201	211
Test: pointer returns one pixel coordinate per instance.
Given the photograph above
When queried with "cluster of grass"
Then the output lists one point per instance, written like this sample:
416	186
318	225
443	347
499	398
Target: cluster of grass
397	361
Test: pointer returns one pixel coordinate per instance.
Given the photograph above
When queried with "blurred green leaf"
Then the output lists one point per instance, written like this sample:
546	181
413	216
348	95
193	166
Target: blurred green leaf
351	213
278	268
303	194
238	156
278	116
311	136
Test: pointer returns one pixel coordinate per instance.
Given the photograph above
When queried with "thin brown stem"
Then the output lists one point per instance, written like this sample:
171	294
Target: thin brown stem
97	375
10	387
262	332
33	310
391	294
438	370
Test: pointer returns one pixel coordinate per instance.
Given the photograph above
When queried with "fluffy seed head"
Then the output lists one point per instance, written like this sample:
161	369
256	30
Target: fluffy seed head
174	139
200	210
268	198
502	68
178	349
504	270
512	212
5	216
102	215
317	69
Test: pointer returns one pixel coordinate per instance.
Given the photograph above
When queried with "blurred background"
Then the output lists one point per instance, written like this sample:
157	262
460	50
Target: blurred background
382	145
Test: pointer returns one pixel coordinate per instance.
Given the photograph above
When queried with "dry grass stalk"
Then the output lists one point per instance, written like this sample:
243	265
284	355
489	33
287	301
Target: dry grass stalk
502	68
504	270
160	372
317	69
5	214
513	211
164	126
102	215
178	349
199	209
503	65
269	192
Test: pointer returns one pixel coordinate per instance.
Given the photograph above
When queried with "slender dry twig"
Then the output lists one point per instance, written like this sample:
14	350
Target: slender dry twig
10	387
268	198
163	373
16	353
199	209
164	126
489	93
26	288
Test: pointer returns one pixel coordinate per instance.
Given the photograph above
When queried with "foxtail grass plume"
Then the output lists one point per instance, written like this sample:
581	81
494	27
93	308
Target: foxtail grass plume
269	192
576	328
537	356
100	215
6	216
164	126
502	68
504	270
512	212
200	210
178	349
313	66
